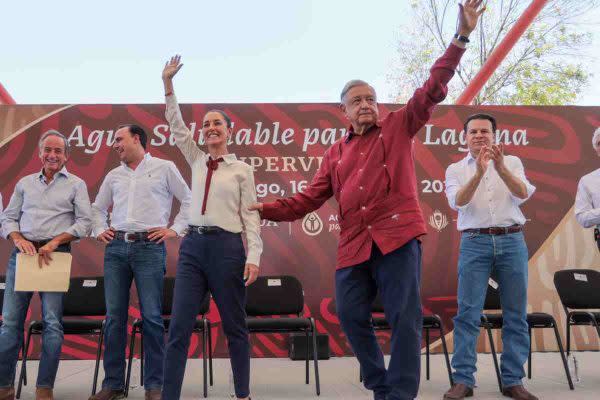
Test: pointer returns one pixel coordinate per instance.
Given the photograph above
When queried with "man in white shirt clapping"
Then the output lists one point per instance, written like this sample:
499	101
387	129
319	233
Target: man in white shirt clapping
486	188
587	202
141	192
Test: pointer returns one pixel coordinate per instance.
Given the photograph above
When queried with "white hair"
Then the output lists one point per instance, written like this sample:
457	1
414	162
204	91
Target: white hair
53	132
596	139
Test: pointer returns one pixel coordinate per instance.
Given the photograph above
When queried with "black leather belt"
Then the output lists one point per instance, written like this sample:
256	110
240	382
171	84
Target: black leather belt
41	243
205	229
130	237
496	230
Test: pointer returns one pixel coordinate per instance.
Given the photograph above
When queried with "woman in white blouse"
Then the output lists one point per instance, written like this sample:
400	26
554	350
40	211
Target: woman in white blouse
212	256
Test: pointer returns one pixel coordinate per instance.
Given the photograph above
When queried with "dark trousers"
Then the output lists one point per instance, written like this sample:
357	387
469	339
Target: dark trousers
397	277
209	262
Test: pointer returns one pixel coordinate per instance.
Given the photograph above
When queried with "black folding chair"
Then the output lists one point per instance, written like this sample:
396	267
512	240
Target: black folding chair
281	296
429	322
85	298
202	325
536	320
579	292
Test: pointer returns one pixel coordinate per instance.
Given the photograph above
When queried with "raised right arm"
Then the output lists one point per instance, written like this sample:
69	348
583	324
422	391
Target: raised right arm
183	137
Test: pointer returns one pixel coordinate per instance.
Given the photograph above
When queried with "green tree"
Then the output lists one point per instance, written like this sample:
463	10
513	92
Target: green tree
547	66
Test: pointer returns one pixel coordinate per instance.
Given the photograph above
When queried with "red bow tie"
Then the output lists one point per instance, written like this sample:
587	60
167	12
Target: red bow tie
214	164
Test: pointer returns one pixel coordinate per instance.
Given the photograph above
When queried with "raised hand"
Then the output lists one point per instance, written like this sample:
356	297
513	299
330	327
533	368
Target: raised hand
497	154
172	67
482	160
468	16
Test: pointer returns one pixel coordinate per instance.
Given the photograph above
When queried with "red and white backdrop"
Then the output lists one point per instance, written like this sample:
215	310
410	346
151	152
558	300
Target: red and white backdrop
284	143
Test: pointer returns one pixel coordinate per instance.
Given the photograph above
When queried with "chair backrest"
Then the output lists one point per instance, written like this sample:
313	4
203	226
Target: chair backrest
85	297
2	287
578	288
275	295
492	297
168	293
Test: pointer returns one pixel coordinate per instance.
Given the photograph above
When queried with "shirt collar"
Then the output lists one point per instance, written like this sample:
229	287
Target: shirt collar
227	158
63	171
146	158
351	133
469	157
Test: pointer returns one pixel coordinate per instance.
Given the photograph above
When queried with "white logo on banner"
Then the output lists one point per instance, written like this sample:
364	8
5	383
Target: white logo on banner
312	224
438	221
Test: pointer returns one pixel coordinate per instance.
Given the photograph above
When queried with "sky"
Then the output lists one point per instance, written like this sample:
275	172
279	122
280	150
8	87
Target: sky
234	51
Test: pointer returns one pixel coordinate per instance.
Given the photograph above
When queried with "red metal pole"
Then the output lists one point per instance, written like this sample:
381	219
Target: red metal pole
500	52
5	97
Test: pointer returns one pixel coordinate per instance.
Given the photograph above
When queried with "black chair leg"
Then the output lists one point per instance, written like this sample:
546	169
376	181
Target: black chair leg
22	357
315	355
427	353
446	356
562	356
130	361
204	356
495	357
307	357
25	350
142	356
568	336
210	364
529	356
98	354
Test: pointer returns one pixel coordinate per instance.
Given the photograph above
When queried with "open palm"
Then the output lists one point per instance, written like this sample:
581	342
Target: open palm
172	67
468	16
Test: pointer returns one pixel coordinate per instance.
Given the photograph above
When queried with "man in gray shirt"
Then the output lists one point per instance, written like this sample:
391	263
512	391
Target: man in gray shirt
47	211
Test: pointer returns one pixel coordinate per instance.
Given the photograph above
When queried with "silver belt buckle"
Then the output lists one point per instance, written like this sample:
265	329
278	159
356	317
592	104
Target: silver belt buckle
127	236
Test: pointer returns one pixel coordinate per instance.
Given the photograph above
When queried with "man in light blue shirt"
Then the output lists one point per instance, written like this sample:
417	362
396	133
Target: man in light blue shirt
587	201
486	188
47	211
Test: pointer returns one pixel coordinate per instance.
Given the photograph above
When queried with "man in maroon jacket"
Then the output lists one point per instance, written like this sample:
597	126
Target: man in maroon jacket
371	173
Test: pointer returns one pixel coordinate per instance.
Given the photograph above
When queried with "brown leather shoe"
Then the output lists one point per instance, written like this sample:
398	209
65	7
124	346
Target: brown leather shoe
7	393
153	394
518	392
108	394
43	393
458	391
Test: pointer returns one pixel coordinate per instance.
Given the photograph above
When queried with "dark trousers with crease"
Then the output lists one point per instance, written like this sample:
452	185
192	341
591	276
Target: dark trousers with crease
209	262
397	277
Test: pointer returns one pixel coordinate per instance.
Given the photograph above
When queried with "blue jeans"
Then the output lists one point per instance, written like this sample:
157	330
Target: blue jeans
14	313
503	257
209	262
144	262
397	277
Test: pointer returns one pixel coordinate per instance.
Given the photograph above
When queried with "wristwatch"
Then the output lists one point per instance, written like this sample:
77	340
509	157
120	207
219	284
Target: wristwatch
461	38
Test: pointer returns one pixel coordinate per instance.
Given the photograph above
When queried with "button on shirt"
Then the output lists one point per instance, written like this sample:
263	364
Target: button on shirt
142	198
492	204
232	188
372	176
587	201
42	211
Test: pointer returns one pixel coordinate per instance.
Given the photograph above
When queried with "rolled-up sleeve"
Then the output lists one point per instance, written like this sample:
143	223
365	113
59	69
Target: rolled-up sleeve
12	214
182	192
452	187
83	212
519	172
250	219
585	213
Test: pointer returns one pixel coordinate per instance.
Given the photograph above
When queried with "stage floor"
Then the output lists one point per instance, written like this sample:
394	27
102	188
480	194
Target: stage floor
284	379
